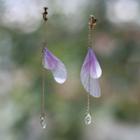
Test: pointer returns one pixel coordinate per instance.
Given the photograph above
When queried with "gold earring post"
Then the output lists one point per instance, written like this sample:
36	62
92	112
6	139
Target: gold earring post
91	25
45	14
92	22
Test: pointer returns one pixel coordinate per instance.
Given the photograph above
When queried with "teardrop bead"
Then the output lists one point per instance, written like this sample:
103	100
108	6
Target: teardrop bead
88	119
43	122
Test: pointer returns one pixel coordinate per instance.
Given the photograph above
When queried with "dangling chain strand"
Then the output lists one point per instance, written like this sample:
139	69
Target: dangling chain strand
43	95
91	26
43	112
88	103
92	23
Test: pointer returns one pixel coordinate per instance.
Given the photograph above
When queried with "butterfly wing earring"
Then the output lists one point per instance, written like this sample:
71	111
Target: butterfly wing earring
56	66
91	71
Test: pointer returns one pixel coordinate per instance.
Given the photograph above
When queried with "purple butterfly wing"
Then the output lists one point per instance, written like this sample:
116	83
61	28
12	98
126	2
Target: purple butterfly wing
90	73
56	66
95	69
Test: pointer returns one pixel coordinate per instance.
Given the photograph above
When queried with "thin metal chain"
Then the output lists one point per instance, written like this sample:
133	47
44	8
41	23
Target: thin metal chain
90	43
43	113
88	103
90	37
43	94
43	91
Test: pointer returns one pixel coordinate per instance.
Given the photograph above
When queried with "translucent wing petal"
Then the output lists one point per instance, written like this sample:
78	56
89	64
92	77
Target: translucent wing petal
91	64
60	73
95	69
90	73
91	85
94	89
57	67
49	60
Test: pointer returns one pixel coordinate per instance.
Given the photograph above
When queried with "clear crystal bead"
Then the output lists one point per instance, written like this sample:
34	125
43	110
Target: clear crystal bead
43	122
88	119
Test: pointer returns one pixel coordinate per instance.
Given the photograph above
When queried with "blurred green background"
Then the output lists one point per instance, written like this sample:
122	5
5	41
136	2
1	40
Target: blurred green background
116	114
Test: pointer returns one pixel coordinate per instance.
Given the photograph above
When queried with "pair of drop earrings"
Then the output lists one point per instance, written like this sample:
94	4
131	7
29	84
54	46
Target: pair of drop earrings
90	72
